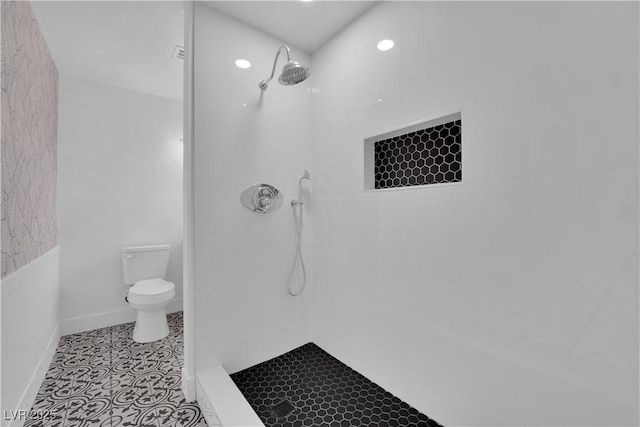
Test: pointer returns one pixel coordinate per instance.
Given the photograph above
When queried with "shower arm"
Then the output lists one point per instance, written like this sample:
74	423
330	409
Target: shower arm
264	83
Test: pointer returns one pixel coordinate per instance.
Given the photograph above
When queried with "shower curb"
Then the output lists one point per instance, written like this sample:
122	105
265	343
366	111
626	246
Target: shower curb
221	402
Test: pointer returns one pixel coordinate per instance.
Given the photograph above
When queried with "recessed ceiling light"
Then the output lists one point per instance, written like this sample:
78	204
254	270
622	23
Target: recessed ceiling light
385	44
242	63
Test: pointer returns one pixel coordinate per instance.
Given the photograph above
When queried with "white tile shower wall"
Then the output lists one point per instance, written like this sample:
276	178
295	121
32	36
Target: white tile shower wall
244	314
120	184
29	332
492	302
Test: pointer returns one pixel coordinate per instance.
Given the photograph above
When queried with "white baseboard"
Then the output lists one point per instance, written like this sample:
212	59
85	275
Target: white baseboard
110	318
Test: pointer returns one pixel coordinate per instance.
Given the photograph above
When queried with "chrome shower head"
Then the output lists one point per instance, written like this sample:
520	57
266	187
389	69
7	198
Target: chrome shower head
292	73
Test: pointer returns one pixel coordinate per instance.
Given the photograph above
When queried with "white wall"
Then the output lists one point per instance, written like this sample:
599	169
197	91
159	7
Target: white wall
512	298
244	314
119	184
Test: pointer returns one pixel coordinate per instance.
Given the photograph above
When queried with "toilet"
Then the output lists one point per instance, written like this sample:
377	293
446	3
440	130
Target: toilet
145	267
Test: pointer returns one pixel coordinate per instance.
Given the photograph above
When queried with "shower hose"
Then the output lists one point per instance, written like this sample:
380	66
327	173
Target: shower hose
297	219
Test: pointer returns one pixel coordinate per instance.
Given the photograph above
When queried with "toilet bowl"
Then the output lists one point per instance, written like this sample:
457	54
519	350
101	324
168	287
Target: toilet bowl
145	267
149	298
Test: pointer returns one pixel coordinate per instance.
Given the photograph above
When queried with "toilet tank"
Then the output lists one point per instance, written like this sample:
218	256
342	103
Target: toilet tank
145	262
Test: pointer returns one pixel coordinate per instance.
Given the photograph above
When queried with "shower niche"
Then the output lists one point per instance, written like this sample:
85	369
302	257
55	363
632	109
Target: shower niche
423	153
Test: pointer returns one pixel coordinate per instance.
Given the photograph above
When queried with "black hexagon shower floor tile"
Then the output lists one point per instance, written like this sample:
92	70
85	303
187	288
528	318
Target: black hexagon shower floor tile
103	378
309	387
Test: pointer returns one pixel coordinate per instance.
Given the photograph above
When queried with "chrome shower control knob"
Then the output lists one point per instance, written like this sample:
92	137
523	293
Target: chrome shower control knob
264	198
264	203
261	198
265	192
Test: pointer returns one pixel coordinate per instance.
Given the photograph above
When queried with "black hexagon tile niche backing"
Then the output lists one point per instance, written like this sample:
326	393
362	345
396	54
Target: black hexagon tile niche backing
323	392
426	156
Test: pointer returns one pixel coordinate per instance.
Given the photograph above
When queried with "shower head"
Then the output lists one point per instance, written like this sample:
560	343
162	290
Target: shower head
292	73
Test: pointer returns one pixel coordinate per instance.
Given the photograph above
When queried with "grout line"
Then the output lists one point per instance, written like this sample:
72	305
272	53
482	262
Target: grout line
111	376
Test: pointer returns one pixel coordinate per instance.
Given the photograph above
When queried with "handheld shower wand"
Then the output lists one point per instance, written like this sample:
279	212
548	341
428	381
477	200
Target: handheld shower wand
300	200
297	217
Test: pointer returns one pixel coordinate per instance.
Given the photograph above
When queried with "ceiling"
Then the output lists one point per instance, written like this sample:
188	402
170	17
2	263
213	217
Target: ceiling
130	44
305	25
127	44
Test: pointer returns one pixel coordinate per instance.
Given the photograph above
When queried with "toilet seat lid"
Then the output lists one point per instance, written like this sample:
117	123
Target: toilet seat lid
152	287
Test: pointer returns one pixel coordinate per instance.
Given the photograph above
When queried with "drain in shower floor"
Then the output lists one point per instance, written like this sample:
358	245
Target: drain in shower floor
282	409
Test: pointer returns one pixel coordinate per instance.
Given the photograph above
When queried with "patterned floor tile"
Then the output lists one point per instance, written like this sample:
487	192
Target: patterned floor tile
187	416
87	411
65	360
150	365
131	396
168	351
69	340
168	416
102	378
56	385
133	416
123	365
93	374
170	380
52	394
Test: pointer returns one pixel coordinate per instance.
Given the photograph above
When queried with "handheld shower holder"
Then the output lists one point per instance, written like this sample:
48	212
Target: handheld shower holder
300	199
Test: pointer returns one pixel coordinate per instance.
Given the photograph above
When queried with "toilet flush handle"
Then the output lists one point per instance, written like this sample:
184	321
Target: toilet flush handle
130	255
